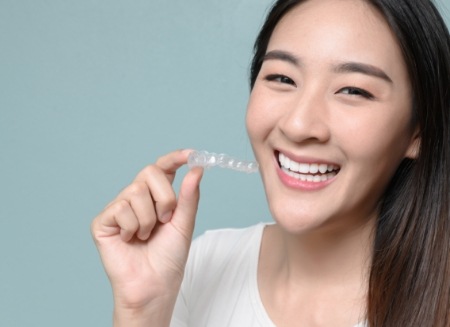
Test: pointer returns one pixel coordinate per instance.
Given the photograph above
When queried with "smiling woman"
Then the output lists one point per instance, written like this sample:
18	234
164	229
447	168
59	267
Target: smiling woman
332	86
349	120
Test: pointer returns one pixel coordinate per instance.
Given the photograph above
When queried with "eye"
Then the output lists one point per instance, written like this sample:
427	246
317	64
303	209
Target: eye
283	79
356	91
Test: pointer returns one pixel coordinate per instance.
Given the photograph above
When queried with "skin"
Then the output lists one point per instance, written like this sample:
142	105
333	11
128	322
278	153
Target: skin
308	105
144	236
314	260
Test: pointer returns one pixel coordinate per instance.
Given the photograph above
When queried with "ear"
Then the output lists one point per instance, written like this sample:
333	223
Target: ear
414	147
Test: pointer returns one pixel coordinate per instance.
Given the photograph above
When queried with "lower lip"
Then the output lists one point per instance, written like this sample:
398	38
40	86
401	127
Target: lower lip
295	183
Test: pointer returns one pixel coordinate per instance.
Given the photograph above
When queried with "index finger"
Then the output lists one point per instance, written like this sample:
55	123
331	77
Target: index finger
170	163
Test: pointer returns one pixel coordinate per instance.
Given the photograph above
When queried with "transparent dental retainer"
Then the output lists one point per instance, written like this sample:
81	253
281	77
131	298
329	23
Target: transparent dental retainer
207	159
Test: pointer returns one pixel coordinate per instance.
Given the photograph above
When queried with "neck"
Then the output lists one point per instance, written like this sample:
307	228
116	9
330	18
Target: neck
325	257
318	277
319	262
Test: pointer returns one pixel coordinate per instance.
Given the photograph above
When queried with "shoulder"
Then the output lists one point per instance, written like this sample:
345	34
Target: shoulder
218	259
221	268
226	241
217	251
229	235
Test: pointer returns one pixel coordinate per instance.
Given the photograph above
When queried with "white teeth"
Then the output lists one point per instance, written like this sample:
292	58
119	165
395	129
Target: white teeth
294	168
323	168
304	168
313	168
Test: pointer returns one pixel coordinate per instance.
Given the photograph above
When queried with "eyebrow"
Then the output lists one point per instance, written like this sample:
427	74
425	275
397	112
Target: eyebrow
345	67
357	67
282	55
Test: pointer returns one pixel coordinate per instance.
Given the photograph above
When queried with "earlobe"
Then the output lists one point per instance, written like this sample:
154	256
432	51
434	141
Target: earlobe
414	147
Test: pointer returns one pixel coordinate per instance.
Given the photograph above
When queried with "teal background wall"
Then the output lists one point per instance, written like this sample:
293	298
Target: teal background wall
91	91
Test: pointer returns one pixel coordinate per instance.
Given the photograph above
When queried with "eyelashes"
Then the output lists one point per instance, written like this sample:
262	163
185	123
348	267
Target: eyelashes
356	91
279	78
352	91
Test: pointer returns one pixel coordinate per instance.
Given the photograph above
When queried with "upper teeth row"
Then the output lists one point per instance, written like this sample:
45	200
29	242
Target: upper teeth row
305	168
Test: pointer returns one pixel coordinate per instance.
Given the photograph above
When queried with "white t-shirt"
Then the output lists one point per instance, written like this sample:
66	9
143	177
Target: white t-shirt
220	283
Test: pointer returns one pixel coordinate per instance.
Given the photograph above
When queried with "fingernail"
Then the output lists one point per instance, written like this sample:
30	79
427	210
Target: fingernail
165	218
144	237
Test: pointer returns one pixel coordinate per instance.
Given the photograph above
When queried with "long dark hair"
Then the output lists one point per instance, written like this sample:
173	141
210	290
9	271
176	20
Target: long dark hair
409	281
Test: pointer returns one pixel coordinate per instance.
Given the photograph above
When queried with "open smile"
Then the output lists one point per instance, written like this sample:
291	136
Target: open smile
315	172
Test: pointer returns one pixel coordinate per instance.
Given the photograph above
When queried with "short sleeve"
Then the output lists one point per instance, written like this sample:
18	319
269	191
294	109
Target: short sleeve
180	316
180	313
214	278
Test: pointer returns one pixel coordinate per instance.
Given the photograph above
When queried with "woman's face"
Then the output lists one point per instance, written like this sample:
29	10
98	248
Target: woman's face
329	117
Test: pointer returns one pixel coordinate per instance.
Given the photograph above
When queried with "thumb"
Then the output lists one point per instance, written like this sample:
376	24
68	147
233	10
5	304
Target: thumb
187	205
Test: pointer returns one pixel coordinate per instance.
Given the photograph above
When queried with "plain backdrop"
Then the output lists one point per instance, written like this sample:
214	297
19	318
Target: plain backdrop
91	91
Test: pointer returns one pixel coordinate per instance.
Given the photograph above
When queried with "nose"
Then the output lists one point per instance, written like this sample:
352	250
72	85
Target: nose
306	118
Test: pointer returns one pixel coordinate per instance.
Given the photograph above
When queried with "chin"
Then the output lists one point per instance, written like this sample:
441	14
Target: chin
297	221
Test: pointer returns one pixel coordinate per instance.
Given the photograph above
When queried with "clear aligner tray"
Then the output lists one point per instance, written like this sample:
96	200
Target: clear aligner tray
207	159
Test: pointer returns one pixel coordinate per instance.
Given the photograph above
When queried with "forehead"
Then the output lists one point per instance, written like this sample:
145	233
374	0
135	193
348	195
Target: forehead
338	30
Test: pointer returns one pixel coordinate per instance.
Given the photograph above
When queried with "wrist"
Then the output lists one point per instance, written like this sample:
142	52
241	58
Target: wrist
158	312
130	318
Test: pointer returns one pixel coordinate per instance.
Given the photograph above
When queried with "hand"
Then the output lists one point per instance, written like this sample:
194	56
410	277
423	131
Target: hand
144	235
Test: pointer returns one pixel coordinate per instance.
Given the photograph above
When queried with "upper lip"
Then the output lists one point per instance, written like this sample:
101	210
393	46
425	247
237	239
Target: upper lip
306	159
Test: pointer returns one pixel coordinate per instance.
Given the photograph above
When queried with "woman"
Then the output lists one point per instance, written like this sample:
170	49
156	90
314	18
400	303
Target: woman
349	120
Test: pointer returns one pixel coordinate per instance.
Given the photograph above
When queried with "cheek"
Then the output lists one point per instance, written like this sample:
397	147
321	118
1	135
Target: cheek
263	113
255	118
378	142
